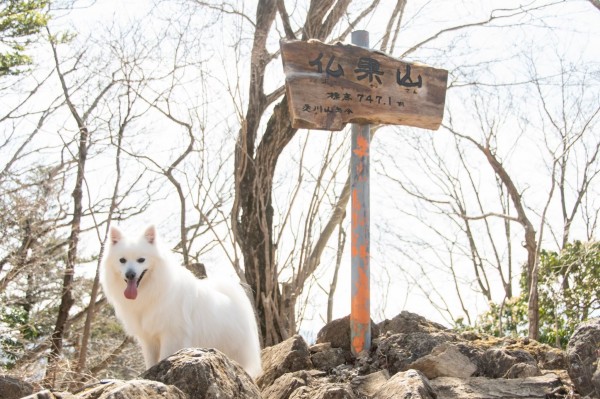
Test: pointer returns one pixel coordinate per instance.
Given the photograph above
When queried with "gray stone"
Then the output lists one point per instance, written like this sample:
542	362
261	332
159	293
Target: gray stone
410	384
486	388
583	352
324	391
337	333
407	322
552	359
316	348
368	385
523	370
330	358
135	389
46	394
204	373
445	360
396	352
14	388
286	357
287	384
496	362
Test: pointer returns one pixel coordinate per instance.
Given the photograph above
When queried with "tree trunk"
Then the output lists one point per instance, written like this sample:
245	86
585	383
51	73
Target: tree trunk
533	311
67	300
255	162
67	295
256	224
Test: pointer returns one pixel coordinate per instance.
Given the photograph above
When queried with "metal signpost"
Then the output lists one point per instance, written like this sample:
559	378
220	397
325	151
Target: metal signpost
360	313
328	86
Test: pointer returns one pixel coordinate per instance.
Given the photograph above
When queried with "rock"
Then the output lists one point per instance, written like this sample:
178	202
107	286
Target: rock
583	352
285	385
552	359
286	357
135	389
410	384
522	370
445	360
407	322
337	333
368	385
547	357
316	348
324	391
329	358
307	385
204	373
425	361
497	362
47	394
596	378
396	352
14	388
480	387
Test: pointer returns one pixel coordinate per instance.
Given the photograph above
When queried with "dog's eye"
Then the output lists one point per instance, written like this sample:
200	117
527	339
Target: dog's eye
123	260
141	260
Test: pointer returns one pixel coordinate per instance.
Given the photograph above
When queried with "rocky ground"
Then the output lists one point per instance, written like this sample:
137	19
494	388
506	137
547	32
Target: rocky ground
411	357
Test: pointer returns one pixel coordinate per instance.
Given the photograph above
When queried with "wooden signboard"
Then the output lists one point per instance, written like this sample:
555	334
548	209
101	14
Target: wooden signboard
330	85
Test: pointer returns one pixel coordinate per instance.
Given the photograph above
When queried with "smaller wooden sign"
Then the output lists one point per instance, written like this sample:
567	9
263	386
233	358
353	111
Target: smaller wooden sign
331	85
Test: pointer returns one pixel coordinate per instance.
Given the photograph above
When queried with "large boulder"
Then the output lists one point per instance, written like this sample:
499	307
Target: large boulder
407	322
583	352
204	373
286	357
337	332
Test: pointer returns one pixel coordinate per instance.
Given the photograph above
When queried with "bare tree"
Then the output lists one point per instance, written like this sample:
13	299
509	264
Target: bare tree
256	159
81	121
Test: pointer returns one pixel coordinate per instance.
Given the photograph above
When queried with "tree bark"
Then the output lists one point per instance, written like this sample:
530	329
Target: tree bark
67	301
533	312
255	163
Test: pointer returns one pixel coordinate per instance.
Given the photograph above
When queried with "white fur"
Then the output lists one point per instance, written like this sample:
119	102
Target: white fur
173	309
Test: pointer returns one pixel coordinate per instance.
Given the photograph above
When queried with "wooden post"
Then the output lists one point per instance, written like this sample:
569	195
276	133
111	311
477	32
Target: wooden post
360	314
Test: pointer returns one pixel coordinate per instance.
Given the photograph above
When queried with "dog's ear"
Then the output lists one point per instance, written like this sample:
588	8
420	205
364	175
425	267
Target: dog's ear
150	234
115	235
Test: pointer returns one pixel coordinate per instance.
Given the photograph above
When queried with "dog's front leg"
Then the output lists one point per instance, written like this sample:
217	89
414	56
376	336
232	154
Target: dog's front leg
150	350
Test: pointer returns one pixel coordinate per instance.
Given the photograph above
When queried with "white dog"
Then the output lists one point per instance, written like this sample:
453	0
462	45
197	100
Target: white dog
167	308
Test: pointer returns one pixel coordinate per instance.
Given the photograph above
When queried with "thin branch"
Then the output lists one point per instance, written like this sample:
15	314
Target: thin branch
512	13
490	214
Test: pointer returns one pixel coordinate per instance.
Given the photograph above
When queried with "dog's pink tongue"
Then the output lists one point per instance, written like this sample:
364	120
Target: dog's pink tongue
131	290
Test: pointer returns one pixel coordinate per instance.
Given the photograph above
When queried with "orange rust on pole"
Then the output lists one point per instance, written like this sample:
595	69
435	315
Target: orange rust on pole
360	314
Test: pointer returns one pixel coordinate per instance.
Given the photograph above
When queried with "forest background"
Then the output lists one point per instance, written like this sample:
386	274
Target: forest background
174	112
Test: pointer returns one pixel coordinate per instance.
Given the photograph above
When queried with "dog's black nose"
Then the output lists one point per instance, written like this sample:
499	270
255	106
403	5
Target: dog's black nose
130	275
